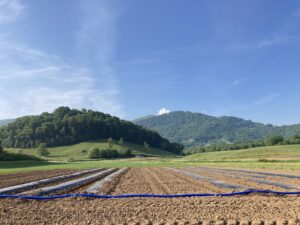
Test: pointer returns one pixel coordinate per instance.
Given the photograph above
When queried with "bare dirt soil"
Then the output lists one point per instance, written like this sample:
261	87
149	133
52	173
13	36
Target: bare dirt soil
238	210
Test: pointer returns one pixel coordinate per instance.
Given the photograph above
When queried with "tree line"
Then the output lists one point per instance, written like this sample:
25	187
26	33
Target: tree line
67	126
270	140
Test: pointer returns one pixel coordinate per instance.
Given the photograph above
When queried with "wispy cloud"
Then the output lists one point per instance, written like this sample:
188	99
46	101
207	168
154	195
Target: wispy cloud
18	74
34	81
275	41
10	10
96	36
239	81
140	60
51	84
285	34
266	99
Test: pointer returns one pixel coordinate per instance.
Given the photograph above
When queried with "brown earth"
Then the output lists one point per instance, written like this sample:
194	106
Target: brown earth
252	209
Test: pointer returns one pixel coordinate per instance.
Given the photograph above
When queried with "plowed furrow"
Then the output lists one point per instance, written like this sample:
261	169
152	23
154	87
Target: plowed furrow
253	181
244	181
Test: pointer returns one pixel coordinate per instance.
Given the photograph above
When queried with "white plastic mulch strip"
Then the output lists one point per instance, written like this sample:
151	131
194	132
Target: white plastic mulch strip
96	187
29	185
73	184
217	183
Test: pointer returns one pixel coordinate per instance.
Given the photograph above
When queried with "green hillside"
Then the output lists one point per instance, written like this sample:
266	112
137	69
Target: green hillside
283	152
80	151
65	126
192	129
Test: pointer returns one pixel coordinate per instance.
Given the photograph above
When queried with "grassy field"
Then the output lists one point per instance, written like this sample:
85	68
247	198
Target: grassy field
271	158
75	152
22	166
282	152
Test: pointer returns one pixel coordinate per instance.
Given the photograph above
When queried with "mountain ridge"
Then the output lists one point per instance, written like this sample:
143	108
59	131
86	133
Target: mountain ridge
6	121
191	128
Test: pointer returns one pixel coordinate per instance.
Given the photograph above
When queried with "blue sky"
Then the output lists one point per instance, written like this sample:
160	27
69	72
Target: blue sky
132	58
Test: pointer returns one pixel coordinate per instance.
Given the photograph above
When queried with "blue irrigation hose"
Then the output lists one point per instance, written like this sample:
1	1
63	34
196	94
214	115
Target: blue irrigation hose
2	196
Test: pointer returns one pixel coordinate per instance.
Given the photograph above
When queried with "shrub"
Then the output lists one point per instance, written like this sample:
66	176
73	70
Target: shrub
127	153
110	142
42	150
1	149
295	139
94	153
17	157
146	146
263	160
109	153
274	140
20	151
84	151
121	141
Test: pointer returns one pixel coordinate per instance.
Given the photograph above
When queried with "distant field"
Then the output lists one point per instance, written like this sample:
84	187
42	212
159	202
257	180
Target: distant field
282	152
22	166
271	158
75	152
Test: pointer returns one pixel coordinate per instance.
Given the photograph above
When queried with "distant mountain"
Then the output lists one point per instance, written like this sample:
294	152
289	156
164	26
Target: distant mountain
4	122
143	118
193	129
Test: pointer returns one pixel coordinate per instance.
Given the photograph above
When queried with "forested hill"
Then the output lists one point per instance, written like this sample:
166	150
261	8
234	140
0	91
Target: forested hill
70	126
193	129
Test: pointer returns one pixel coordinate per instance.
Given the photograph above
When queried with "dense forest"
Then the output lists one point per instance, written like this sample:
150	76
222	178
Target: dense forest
197	129
67	126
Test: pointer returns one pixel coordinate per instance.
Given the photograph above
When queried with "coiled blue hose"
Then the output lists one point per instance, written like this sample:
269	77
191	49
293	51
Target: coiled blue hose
3	196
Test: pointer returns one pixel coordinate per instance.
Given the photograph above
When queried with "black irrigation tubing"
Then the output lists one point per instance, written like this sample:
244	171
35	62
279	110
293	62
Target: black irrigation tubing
3	196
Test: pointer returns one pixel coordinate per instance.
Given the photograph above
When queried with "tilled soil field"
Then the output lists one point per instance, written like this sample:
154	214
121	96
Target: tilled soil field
250	209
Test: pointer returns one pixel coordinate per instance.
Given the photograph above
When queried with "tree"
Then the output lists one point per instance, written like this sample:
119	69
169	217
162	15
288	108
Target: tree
42	150
110	142
128	153
274	140
146	146
295	139
121	141
1	149
94	153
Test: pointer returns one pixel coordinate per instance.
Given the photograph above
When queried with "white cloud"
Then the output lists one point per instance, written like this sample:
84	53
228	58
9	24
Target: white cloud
163	111
267	98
